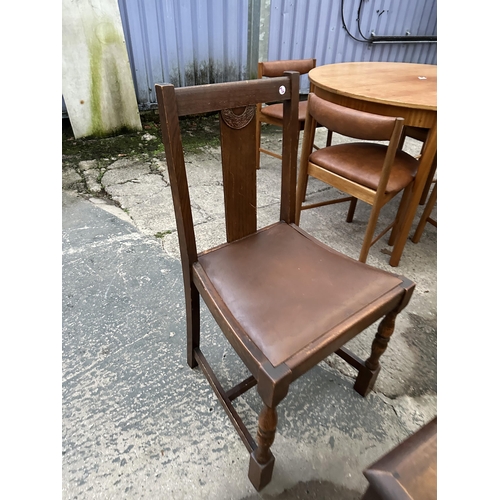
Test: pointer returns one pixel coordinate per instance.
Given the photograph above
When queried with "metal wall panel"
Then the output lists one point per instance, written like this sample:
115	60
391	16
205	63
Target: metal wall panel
188	42
184	42
313	28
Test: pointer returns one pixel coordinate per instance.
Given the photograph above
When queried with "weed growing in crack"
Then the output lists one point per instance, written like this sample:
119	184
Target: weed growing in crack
161	234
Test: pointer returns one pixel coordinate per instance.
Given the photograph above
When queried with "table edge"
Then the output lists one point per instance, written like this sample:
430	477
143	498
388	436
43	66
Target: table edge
368	99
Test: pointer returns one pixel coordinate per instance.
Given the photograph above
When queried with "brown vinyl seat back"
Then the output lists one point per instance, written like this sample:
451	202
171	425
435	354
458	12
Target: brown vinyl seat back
272	69
360	125
351	122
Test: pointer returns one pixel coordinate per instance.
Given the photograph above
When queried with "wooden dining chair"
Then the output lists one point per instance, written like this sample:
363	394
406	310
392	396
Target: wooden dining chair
369	171
283	300
272	113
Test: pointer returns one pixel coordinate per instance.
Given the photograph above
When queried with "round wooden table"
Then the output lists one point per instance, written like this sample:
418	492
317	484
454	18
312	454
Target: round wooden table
393	89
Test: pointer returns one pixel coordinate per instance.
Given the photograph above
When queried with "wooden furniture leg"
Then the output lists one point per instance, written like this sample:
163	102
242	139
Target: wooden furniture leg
368	375
193	325
329	138
262	460
429	181
426	161
403	207
370	231
426	216
352	209
307	147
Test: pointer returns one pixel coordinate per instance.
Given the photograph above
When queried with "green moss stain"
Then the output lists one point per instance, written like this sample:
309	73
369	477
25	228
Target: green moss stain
95	54
104	46
197	132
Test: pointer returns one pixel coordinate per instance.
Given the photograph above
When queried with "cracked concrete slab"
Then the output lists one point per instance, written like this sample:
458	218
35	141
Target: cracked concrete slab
137	422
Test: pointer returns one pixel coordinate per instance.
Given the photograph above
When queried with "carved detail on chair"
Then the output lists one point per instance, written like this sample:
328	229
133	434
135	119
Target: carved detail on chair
238	121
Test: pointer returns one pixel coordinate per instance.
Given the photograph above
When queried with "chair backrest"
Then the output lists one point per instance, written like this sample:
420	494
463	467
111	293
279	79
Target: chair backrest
236	103
273	69
277	68
360	125
351	122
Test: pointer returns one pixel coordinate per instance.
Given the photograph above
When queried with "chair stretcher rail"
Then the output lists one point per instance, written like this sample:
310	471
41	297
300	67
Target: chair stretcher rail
225	401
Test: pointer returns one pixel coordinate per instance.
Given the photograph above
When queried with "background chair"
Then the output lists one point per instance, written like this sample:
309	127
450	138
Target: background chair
372	172
278	295
273	113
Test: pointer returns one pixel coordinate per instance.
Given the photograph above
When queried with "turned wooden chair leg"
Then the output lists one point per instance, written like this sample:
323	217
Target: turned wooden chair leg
369	373
261	467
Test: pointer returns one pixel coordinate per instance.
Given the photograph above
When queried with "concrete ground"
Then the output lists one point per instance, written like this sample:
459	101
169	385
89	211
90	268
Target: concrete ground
139	423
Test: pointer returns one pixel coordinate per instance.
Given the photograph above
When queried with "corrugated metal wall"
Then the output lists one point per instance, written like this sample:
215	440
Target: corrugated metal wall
314	28
184	42
188	42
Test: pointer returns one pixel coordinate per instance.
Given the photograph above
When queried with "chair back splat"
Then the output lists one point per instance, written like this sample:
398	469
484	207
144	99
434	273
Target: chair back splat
283	300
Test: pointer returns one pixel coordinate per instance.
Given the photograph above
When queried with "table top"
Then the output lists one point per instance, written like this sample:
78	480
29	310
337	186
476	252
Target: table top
398	84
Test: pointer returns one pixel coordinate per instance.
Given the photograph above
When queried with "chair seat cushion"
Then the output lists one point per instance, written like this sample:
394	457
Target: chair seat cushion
276	111
287	290
362	162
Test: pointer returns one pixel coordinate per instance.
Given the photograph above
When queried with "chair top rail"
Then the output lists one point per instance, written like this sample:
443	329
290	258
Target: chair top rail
214	97
276	68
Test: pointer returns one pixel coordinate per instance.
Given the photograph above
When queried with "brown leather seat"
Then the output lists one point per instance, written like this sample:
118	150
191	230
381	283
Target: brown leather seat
259	277
284	300
275	111
369	171
363	162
